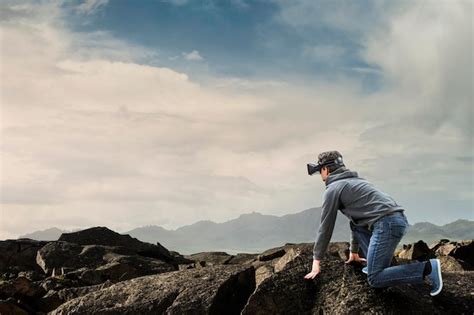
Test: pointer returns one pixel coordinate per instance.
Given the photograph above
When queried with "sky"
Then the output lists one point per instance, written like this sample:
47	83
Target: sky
166	112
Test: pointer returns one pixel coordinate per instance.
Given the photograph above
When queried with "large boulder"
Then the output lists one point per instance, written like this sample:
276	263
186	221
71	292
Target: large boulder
272	253
416	251
461	250
215	289
53	299
20	286
94	264
242	258
210	258
11	307
103	236
19	255
343	289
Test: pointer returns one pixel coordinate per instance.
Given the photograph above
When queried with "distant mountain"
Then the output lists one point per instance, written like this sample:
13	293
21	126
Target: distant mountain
250	232
457	230
255	232
51	234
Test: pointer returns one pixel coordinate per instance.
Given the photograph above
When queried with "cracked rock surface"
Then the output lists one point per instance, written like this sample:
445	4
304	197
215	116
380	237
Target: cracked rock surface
212	290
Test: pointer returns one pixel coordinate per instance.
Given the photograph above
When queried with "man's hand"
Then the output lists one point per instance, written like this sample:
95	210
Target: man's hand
354	257
314	271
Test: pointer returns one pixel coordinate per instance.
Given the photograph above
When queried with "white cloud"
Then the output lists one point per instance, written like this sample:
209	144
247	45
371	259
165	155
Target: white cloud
192	56
91	6
324	53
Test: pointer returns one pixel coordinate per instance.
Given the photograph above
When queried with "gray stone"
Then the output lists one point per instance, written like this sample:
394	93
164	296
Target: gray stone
343	289
103	236
210	258
416	251
20	286
100	262
262	273
211	290
9	307
19	255
272	253
242	258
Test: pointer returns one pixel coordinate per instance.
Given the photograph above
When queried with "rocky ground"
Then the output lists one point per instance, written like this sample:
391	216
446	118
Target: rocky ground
98	271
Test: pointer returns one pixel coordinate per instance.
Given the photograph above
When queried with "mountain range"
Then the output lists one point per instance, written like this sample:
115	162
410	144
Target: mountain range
254	232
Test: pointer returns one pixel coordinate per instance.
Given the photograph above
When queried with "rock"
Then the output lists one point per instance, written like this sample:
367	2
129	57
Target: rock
9	307
20	286
210	258
339	249
104	236
290	255
32	275
464	251
284	292
53	299
416	251
121	267
262	273
446	249
58	283
212	290
19	255
85	276
434	246
271	253
449	263
180	259
101	262
343	289
242	258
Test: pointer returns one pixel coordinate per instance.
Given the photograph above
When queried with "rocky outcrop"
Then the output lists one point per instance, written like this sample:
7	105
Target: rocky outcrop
416	251
117	279
103	236
53	299
93	264
213	290
343	289
19	255
210	258
462	250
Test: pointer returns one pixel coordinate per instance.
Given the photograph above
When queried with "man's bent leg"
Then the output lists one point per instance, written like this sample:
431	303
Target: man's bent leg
363	237
386	235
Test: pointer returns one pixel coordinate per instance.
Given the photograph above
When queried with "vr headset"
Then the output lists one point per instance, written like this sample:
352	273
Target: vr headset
316	167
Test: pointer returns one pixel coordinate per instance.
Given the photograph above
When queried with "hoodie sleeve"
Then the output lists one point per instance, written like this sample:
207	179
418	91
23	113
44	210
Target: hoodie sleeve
328	220
354	244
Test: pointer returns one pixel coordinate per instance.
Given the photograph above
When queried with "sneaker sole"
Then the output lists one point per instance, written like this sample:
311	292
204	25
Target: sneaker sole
440	279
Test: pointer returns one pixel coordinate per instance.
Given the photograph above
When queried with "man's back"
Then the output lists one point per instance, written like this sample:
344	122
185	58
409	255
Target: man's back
359	199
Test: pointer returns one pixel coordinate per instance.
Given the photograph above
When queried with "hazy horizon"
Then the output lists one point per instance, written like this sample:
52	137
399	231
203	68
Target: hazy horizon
168	112
153	225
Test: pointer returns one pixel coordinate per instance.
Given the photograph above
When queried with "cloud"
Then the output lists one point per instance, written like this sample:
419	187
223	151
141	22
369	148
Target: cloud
91	6
91	133
324	53
192	56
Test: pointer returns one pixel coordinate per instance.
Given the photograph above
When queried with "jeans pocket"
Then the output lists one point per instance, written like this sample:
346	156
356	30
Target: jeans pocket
397	229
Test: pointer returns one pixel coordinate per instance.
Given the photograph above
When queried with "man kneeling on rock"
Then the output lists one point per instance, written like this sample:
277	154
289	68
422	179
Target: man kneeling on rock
377	224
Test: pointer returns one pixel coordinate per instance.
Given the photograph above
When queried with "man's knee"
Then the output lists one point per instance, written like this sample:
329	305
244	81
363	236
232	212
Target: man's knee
372	279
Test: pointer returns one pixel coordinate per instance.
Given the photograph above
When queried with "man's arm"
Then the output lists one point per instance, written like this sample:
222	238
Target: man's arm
328	220
354	241
354	254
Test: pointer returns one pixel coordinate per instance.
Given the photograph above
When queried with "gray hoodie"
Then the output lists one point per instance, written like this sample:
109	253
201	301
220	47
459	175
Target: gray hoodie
357	199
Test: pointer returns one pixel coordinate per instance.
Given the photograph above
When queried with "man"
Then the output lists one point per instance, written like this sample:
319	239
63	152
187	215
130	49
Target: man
377	225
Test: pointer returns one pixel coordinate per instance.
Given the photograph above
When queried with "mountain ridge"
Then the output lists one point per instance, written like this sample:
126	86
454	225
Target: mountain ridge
254	231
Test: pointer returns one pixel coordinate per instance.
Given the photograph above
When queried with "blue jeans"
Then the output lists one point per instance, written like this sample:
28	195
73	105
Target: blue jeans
378	247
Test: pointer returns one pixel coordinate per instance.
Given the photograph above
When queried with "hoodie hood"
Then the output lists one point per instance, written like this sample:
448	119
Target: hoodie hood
340	174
